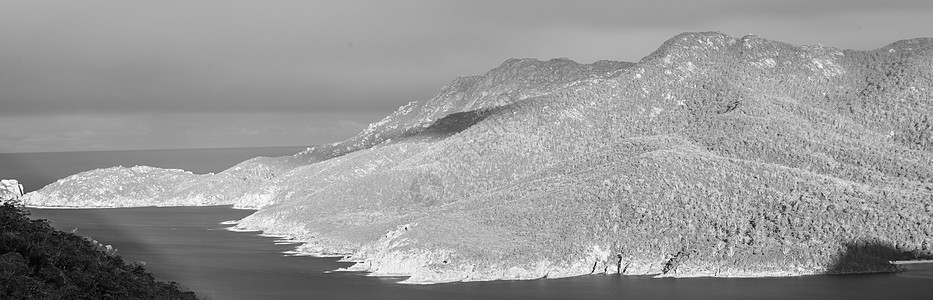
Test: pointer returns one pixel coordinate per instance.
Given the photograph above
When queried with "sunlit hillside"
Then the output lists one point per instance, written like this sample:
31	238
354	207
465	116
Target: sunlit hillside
712	156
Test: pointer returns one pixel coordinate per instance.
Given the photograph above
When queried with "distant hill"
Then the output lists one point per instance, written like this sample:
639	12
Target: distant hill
712	156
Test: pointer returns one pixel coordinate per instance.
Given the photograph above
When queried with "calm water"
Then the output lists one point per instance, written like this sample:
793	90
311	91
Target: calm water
190	246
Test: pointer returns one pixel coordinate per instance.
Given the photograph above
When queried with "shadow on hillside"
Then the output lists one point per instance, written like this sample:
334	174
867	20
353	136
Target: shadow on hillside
449	125
872	256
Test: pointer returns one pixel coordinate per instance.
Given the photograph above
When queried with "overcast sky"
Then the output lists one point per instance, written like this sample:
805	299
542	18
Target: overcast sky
121	74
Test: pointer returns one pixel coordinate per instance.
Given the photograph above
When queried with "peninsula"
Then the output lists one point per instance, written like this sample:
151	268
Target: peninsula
712	156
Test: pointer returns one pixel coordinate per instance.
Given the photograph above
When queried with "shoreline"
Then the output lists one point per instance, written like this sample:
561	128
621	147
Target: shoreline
231	206
85	207
911	262
279	239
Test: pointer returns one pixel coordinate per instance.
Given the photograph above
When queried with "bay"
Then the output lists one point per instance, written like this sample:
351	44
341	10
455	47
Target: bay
190	245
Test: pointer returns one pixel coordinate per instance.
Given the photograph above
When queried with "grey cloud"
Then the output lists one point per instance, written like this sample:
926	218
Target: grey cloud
233	56
147	57
72	132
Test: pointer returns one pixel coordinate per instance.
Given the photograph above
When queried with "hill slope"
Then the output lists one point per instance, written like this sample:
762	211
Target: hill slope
38	262
712	156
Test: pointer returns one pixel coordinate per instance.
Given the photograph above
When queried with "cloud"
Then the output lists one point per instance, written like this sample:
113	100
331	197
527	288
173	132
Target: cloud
77	132
111	58
341	127
237	56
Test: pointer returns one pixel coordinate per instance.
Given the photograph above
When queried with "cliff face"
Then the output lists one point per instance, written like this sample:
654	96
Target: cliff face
712	156
10	189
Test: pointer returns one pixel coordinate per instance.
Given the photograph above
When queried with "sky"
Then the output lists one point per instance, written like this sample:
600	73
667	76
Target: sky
130	74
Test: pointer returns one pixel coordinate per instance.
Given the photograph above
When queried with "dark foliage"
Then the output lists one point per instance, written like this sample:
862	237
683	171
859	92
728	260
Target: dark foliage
873	255
38	262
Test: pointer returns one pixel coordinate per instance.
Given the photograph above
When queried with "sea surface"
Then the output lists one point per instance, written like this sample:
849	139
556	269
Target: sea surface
189	245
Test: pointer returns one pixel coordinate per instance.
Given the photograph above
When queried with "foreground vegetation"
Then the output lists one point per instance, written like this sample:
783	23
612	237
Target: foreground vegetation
39	262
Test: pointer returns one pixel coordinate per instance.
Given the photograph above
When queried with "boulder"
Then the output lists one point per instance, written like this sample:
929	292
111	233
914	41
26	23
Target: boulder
10	189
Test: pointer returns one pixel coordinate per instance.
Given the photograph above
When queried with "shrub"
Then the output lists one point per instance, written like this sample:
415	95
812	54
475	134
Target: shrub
39	262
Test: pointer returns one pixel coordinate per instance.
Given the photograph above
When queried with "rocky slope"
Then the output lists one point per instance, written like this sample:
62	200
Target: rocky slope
712	156
10	189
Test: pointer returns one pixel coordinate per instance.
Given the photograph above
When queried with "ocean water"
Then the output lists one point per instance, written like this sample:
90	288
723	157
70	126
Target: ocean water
190	245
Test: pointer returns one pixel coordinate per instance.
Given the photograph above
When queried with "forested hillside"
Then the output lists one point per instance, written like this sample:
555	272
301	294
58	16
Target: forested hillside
712	156
38	262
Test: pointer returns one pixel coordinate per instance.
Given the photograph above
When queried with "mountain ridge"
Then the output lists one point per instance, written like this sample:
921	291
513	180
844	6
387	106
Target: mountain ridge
712	156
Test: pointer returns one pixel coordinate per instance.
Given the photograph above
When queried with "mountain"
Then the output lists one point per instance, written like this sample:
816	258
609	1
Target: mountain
712	156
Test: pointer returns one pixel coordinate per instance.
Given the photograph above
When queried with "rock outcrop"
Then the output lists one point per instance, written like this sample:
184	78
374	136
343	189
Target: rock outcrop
10	189
712	156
